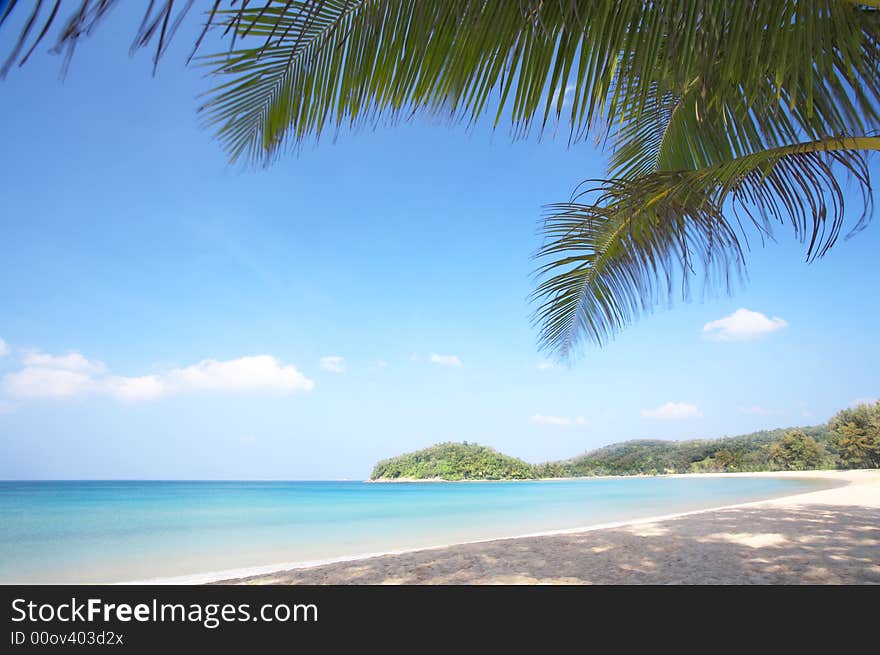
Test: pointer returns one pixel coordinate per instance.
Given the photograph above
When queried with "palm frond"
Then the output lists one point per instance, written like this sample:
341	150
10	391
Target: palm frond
618	248
798	70
677	130
86	16
297	67
699	99
331	64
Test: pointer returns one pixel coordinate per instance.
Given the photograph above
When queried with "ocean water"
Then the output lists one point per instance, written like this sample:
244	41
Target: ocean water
108	531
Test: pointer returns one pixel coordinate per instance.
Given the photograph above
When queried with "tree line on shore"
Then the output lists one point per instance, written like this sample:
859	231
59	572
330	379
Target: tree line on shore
851	439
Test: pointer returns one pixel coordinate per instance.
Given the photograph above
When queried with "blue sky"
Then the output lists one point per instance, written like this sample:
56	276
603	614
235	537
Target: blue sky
165	315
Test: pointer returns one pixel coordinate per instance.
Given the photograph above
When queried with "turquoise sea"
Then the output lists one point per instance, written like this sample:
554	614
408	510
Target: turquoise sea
76	531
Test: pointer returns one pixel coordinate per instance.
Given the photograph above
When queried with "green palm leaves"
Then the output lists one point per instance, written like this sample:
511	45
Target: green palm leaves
332	64
723	118
313	65
703	103
695	166
622	246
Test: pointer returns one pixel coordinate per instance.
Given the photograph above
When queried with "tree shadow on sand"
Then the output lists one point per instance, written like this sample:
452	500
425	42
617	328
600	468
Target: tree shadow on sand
801	545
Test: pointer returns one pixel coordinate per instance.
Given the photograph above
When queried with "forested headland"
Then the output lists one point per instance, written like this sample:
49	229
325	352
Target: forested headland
851	439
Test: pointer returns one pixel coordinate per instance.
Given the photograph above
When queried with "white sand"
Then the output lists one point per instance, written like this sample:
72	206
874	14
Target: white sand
829	536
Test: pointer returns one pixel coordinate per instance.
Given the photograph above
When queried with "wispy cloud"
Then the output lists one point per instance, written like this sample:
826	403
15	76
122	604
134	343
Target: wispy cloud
248	438
381	364
452	361
755	410
333	363
70	362
805	408
48	382
4	348
260	373
544	365
863	401
148	387
567	94
65	376
542	419
673	411
742	325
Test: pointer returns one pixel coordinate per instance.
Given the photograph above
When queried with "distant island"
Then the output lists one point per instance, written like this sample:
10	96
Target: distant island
850	440
454	461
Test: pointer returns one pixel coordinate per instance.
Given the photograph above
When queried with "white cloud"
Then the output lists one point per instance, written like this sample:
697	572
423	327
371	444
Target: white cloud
863	401
445	360
544	365
673	411
32	382
566	95
542	419
4	348
381	364
333	363
256	373
742	325
70	362
66	376
145	387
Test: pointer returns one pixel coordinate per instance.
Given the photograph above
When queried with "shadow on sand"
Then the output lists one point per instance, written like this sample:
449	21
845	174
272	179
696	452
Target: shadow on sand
801	545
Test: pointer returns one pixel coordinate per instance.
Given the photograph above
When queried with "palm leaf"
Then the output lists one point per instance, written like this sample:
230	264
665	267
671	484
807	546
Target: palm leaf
298	67
795	69
617	256
698	98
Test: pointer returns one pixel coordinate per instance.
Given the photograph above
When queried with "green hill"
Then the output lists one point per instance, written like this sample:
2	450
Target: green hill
453	461
470	461
748	452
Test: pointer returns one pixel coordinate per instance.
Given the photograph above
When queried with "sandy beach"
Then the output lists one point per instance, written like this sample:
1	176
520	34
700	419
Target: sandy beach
830	536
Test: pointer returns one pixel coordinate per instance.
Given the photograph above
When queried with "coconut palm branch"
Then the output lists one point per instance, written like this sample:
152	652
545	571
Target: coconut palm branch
720	116
620	247
317	64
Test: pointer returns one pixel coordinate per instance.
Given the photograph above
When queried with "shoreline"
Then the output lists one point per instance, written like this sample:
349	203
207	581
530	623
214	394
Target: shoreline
717	474
842	478
825	536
